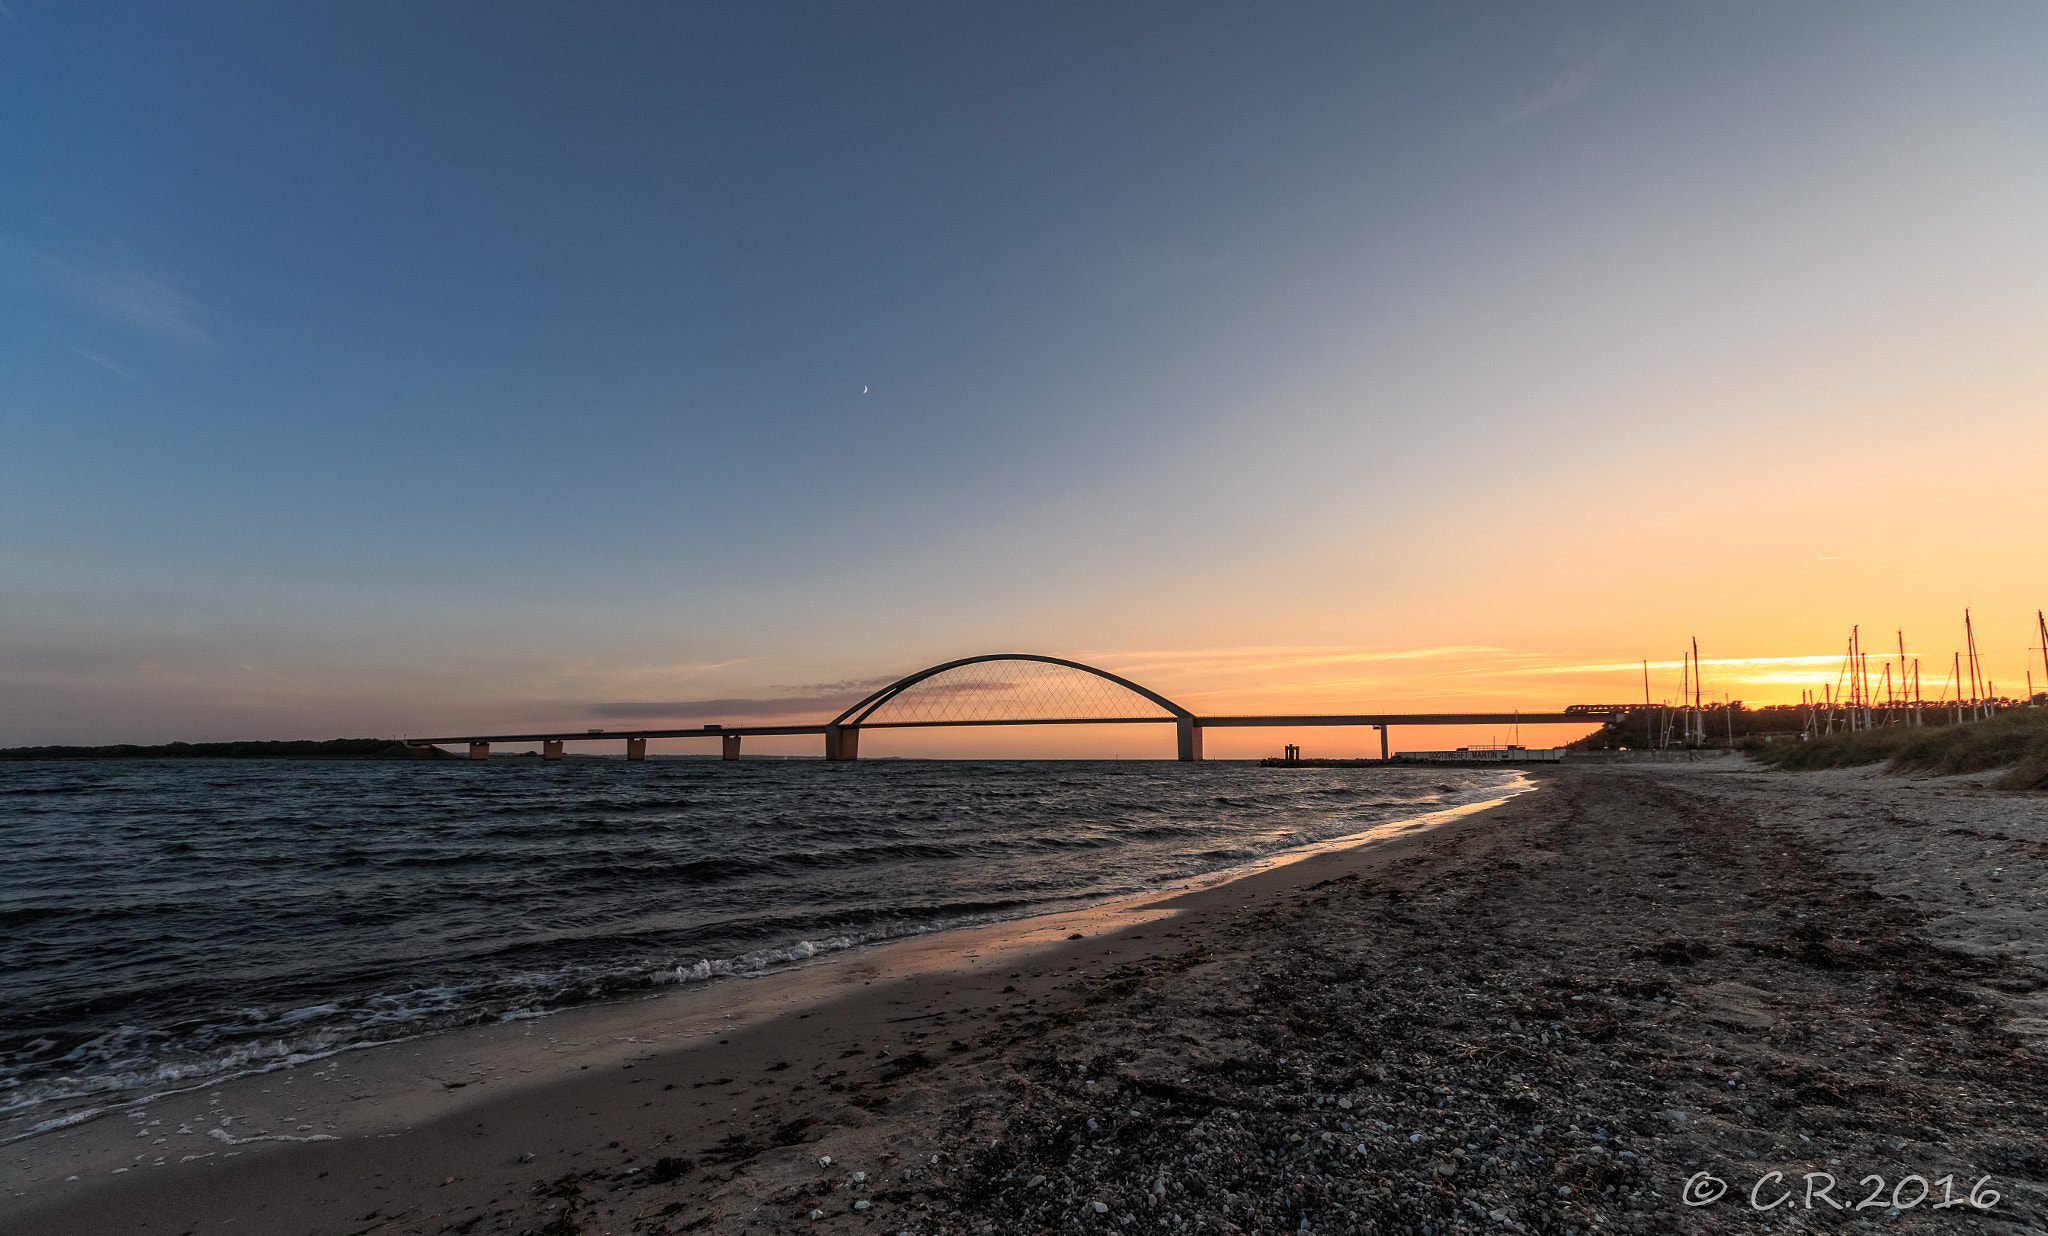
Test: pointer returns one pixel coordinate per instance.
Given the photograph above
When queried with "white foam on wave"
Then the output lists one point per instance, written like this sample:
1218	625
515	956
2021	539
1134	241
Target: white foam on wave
114	1074
60	1122
763	961
225	1136
137	1086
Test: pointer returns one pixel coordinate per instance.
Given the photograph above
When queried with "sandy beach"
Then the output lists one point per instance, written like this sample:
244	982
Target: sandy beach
1545	1017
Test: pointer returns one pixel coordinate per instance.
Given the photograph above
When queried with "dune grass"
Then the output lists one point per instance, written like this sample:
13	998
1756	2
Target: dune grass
2016	740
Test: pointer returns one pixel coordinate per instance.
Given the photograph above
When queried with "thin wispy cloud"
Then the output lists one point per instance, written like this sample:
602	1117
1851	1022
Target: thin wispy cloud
1263	660
791	706
1585	55
113	291
816	698
12	19
132	299
1615	667
850	686
1392	668
1443	674
104	363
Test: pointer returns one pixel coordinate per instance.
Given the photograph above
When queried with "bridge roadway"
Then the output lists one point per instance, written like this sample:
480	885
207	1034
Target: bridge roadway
842	741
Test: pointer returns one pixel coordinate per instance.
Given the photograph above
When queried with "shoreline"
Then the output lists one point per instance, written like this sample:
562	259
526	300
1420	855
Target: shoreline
390	1090
325	1020
1538	1017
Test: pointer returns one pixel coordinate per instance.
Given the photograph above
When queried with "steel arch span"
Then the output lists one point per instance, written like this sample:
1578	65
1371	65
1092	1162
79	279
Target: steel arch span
1006	688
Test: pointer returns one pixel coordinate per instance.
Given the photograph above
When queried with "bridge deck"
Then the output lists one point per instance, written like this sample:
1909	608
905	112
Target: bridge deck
612	735
842	733
1411	718
1373	719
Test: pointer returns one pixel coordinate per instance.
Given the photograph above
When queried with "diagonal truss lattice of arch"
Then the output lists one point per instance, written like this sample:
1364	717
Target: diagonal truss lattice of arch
1010	689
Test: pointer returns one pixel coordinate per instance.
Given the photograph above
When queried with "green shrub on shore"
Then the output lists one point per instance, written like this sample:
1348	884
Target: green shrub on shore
2016	739
1833	751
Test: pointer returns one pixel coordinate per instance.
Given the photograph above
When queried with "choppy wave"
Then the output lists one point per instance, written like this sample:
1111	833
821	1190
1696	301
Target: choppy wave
171	924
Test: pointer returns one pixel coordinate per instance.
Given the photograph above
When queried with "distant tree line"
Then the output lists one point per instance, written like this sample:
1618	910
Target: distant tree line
332	749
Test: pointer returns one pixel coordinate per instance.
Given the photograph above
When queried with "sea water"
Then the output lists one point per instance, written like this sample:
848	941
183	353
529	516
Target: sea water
166	923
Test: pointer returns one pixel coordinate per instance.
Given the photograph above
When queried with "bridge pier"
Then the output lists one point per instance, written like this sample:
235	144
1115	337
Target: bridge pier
731	743
1383	741
479	751
551	749
636	748
1189	736
842	742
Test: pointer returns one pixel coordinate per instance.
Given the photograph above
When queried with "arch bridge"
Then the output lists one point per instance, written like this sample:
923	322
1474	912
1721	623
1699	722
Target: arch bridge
1007	688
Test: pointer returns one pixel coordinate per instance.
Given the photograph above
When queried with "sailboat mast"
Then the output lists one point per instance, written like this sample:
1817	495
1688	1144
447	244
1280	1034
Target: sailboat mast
1699	716
2041	627
1976	676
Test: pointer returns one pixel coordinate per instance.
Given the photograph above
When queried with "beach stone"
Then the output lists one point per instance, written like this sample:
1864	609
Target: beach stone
824	1160
817	1215
527	1157
862	1204
1247	1135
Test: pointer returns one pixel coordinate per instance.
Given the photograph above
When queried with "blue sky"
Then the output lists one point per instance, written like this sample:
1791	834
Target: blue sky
371	368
